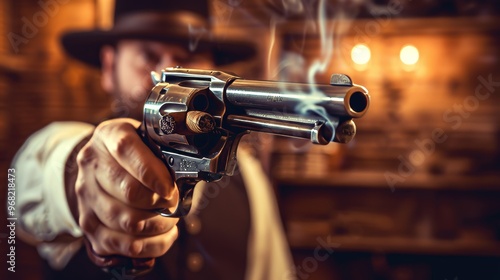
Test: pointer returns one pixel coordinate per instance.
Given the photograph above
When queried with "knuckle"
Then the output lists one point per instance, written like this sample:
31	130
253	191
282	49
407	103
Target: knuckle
86	223
134	247
114	171
133	227
121	126
116	134
157	226
110	244
112	212
122	144
80	187
85	156
130	191
102	129
97	247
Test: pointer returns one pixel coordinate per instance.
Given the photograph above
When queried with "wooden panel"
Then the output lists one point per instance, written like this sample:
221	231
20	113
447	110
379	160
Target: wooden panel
441	194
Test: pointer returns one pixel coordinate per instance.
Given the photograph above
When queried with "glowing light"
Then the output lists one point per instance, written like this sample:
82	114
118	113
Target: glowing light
409	55
360	54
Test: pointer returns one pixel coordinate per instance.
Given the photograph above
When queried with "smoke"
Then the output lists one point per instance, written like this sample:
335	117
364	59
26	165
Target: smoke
195	35
293	7
318	19
326	35
324	30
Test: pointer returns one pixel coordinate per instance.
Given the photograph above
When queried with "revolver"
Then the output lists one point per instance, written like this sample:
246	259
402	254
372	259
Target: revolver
194	119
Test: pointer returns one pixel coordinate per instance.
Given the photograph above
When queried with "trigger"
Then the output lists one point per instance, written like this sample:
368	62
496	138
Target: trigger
186	189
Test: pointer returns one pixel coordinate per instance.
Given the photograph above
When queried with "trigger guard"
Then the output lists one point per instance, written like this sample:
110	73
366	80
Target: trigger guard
186	190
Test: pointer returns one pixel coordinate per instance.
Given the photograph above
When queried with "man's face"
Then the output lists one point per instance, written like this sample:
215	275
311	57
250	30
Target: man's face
127	68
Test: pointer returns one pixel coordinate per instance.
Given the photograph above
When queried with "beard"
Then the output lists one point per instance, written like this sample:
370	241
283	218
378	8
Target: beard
129	102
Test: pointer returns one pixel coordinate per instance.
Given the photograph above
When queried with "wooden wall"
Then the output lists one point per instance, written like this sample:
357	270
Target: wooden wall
415	195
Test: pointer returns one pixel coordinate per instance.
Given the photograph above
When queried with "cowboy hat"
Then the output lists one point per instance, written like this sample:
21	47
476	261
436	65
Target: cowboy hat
183	22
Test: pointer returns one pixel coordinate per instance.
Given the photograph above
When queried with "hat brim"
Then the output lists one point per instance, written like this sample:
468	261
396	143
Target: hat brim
86	45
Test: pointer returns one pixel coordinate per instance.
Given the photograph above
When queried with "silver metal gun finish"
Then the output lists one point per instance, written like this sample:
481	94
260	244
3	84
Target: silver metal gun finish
194	119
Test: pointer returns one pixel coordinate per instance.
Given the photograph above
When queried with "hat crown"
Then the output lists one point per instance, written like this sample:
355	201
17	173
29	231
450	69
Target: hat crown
185	23
128	7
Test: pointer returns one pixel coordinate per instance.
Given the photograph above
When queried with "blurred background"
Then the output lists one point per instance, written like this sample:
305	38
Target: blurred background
416	195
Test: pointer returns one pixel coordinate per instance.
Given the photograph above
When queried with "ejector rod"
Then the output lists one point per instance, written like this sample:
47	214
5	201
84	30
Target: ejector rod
317	133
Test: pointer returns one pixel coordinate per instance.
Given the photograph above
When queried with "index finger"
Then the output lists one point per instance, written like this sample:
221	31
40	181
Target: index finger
126	146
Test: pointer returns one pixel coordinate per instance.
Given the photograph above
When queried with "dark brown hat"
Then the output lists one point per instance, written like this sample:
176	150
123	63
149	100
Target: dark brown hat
184	22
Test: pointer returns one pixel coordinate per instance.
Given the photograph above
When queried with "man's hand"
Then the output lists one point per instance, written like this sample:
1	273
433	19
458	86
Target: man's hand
119	184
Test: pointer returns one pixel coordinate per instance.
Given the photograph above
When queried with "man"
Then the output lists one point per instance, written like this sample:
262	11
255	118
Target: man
100	184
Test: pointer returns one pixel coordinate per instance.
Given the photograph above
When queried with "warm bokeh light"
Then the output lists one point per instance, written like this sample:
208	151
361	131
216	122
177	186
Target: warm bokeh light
409	55
360	54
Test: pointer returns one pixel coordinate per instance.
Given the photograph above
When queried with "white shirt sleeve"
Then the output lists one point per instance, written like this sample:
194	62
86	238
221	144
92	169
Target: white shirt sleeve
42	209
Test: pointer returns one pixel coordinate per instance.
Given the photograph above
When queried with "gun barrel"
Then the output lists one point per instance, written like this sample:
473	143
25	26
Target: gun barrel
342	101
